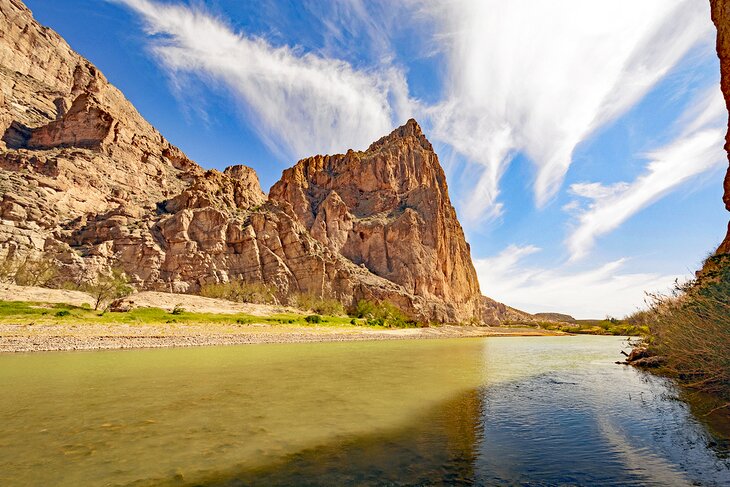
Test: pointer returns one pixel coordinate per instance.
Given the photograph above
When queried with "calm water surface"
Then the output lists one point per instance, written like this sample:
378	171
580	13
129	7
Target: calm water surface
495	411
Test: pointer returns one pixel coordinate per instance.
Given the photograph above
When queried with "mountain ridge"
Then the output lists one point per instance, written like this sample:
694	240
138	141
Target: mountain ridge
86	180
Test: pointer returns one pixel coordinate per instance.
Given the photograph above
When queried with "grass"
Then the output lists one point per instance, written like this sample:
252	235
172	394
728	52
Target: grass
691	330
317	304
613	327
383	314
609	326
23	312
240	292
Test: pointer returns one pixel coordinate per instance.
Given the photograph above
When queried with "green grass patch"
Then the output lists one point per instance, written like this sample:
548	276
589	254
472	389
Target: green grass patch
596	327
23	312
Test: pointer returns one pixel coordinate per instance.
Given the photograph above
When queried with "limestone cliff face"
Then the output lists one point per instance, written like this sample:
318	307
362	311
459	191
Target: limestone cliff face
86	180
70	143
387	209
721	19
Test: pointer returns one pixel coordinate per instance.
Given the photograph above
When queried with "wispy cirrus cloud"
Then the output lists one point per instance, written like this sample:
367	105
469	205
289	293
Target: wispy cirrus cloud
540	77
299	103
607	289
697	148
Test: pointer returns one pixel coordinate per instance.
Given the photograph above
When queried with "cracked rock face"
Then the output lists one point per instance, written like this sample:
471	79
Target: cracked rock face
387	209
85	179
721	18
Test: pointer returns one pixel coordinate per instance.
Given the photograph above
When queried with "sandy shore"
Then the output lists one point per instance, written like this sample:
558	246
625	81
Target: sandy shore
40	338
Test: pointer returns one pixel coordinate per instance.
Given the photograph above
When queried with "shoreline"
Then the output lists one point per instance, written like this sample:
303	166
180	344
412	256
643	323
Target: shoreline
57	338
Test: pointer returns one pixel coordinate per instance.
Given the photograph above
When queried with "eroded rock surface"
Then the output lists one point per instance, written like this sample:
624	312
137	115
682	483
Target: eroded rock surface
721	19
388	209
85	179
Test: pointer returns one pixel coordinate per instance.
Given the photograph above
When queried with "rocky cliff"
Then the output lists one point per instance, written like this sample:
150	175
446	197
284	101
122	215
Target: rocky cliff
721	19
86	180
387	209
70	142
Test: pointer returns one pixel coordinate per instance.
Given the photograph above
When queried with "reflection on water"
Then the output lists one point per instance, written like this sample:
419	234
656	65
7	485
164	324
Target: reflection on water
549	410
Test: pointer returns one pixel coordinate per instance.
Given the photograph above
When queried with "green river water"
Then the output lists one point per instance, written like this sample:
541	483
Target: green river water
494	411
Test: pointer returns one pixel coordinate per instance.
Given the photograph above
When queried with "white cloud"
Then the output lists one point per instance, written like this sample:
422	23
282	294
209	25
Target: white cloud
698	148
540	77
596	191
593	293
300	103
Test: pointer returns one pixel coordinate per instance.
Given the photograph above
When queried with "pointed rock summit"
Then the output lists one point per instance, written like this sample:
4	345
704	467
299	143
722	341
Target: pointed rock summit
410	131
387	209
86	181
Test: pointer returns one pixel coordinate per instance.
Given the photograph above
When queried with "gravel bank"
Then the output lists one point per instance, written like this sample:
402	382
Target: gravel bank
42	338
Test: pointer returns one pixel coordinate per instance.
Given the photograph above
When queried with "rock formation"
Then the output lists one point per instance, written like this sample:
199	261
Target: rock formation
86	180
721	19
387	209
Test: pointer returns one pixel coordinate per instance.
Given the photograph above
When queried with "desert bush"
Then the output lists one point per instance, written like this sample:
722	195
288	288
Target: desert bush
240	291
7	270
313	319
382	313
322	306
105	288
691	330
31	270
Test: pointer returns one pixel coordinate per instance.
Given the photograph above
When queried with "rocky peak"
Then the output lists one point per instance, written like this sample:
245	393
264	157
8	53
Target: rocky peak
410	133
86	180
387	209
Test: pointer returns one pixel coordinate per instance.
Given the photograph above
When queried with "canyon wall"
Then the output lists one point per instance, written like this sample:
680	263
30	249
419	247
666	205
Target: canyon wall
84	179
721	19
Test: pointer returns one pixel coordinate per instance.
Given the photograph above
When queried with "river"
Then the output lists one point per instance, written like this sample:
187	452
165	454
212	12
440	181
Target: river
487	411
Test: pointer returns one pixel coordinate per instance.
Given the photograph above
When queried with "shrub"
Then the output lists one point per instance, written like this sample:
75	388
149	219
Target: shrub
105	288
240	292
322	306
62	313
31	270
177	310
691	330
313	319
382	313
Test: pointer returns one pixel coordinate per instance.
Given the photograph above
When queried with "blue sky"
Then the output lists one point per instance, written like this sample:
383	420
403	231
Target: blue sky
582	140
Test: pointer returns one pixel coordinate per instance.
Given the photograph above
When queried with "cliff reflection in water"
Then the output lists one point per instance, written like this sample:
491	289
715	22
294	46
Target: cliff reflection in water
542	410
439	448
151	416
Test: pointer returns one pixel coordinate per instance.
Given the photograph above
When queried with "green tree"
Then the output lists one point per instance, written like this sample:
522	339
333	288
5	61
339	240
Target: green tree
105	288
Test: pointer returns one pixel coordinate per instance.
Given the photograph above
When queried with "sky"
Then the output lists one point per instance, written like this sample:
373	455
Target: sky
582	139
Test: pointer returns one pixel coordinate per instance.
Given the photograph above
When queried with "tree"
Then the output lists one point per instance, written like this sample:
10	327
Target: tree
105	288
31	270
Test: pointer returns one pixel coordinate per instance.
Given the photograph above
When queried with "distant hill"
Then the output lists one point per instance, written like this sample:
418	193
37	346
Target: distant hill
559	317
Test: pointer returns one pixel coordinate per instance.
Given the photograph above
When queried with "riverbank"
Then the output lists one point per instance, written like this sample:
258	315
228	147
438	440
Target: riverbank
688	332
43	338
39	319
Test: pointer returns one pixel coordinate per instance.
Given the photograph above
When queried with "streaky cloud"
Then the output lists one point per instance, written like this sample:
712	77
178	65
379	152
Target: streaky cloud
539	78
697	148
299	103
